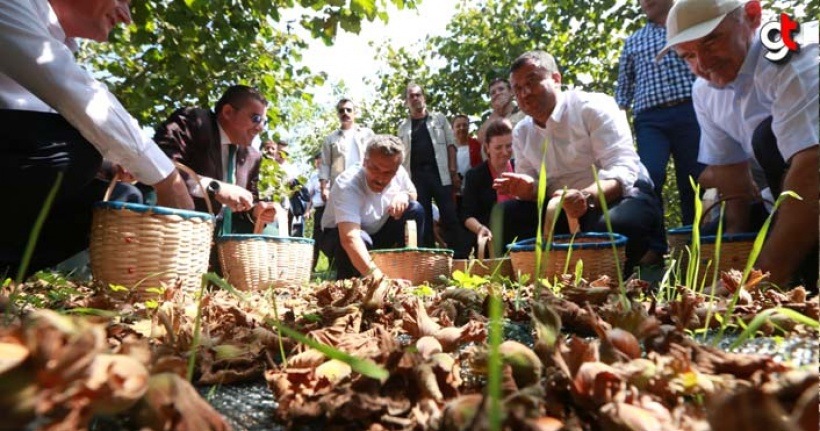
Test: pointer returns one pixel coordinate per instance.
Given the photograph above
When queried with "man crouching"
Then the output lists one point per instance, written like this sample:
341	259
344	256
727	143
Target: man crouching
368	207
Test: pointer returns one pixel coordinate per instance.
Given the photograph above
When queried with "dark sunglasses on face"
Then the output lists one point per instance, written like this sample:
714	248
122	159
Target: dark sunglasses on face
258	119
345	111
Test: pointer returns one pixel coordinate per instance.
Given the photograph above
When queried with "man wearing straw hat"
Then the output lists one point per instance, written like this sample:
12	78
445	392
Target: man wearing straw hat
757	98
573	132
56	118
369	208
217	146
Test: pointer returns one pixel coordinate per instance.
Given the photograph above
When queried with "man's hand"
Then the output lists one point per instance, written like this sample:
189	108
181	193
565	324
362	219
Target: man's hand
265	212
521	186
575	203
325	194
234	197
399	205
173	193
124	175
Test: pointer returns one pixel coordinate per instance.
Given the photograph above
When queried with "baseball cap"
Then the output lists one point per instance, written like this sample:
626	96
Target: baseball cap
693	19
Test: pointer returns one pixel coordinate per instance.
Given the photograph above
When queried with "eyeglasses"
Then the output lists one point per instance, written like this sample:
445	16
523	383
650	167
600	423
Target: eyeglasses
258	119
345	111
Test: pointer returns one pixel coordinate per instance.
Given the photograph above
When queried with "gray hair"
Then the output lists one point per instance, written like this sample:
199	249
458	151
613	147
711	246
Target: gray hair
538	58
386	145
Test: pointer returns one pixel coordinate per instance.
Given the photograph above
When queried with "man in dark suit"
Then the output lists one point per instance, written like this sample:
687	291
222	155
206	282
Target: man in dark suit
208	141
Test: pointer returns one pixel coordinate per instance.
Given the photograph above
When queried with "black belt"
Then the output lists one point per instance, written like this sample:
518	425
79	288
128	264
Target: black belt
673	103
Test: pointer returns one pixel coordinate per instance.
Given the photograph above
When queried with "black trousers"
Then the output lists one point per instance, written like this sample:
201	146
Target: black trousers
638	217
429	188
34	148
391	235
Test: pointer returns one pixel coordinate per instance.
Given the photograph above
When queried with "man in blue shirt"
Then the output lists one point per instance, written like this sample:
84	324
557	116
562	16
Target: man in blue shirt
660	97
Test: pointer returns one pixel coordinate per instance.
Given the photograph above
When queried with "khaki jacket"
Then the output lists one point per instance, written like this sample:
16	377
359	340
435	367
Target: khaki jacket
442	135
333	155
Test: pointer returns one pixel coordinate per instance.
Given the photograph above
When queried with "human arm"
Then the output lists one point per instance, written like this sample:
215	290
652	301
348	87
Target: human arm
578	202
46	67
733	181
350	235
612	147
324	168
625	90
795	231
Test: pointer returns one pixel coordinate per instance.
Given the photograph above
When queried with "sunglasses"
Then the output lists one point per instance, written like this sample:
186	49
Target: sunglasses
345	111
258	119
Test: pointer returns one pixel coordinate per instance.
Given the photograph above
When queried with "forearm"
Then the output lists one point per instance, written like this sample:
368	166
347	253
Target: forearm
356	250
612	190
452	165
796	231
473	225
735	183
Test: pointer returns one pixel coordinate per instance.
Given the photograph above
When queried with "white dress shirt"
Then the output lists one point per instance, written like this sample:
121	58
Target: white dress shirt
584	130
38	72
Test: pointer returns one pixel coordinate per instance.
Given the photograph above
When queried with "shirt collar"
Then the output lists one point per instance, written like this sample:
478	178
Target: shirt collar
223	137
46	12
560	106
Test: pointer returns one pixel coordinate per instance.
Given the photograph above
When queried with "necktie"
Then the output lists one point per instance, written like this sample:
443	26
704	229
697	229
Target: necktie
229	171
229	178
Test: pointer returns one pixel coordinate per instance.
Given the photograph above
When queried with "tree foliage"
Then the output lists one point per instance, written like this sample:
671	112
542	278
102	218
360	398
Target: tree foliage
485	36
187	52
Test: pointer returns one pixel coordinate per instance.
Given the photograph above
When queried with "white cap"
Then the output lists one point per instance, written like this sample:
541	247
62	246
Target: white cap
693	19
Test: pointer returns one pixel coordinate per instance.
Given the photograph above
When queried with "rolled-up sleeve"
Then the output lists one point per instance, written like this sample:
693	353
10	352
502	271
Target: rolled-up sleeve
47	68
612	144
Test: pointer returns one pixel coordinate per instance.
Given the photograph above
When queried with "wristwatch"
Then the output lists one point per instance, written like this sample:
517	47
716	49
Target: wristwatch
213	187
589	198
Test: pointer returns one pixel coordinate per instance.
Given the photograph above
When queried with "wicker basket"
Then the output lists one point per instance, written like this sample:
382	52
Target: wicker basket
248	262
593	248
293	259
140	246
734	249
485	267
418	265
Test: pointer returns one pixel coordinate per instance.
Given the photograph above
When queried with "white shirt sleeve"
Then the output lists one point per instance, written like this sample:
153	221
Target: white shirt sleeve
523	163
47	68
612	144
717	147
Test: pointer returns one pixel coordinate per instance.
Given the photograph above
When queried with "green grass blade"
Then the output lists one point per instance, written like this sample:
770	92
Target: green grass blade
195	338
541	200
764	316
364	367
38	226
494	362
605	209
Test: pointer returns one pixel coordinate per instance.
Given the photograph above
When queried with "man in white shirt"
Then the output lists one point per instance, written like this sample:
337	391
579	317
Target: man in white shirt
573	132
343	148
369	208
750	107
55	117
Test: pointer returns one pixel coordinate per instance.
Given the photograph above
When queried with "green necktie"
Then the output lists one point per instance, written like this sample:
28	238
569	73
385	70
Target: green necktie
227	216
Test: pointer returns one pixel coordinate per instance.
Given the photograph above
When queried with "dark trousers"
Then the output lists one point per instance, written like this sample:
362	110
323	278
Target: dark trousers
34	148
636	217
674	131
391	235
318	234
764	144
428	185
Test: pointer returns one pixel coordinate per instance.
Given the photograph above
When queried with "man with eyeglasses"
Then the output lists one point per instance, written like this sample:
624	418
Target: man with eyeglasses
217	146
56	118
570	133
343	148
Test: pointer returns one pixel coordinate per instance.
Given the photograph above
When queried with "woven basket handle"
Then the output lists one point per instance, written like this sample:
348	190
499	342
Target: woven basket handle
552	209
733	197
258	226
485	243
180	166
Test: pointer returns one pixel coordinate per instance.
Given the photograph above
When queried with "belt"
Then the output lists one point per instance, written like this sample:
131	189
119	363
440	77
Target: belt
673	103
